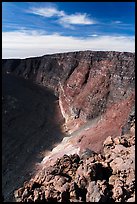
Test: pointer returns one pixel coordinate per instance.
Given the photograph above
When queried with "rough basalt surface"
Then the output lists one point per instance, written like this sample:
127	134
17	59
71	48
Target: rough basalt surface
90	177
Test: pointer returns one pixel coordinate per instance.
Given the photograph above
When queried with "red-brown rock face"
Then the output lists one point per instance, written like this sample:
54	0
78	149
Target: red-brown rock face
93	87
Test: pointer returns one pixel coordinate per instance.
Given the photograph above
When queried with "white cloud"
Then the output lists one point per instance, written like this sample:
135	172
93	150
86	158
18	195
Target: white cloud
46	12
23	44
78	18
63	18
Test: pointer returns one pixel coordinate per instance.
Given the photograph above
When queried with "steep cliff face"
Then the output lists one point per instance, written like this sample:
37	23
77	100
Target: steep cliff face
87	83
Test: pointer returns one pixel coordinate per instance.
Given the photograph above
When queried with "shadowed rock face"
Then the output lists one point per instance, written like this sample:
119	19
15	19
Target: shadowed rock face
95	92
29	127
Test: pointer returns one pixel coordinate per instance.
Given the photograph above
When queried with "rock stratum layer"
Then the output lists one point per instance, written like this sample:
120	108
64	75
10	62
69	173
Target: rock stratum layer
96	96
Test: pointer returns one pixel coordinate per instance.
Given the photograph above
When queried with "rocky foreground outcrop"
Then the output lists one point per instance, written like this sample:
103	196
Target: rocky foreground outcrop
90	177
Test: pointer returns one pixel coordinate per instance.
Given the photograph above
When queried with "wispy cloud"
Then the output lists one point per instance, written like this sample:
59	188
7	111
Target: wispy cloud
23	44
77	19
93	35
63	18
122	25
46	12
117	22
14	26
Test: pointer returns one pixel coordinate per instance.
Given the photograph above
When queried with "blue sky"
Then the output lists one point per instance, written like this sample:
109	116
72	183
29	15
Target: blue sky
38	28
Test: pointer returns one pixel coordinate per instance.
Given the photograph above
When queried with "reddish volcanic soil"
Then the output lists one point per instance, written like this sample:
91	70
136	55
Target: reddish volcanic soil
110	125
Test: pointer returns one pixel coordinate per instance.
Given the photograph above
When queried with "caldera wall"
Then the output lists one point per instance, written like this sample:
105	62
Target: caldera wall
87	83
